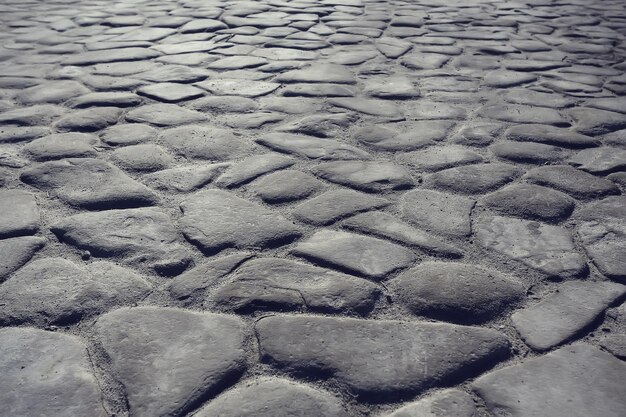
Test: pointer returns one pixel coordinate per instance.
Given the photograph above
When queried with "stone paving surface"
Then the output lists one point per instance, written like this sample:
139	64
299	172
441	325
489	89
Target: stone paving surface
312	208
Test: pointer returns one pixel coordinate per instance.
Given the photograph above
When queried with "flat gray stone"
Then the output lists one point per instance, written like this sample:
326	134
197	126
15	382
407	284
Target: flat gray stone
362	255
575	381
595	122
271	397
253	167
564	314
184	179
549	249
55	290
436	158
162	114
16	252
88	183
600	161
363	354
319	73
448	403
128	134
142	237
89	120
528	152
215	220
187	355
203	142
19	214
62	145
285	186
311	147
238	87
438	212
282	284
334	205
531	202
461	293
171	92
145	157
577	183
474	179
550	135
373	176
53	368
418	135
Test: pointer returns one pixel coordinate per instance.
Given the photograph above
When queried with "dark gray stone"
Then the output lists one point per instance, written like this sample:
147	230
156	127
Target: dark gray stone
373	176
531	202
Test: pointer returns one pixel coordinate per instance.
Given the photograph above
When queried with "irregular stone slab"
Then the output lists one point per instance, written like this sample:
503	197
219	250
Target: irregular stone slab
116	99
336	204
461	293
387	226
11	134
270	397
374	176
144	237
216	219
190	286
549	249
145	157
595	122
164	115
15	252
319	73
528	152
440	157
62	145
394	87
188	355
474	179
52	92
562	315
55	290
225	104
253	167
318	90
37	115
391	47
311	147
572	181
320	125
362	255
476	134
171	92
89	120
449	403
378	359
285	186
439	212
184	179
517	113
615	344
536	98
89	183
238	87
203	142
433	110
19	214
281	284
504	79
424	61
605	243
575	381
419	134
550	135
601	161
174	73
531	202
237	62
368	106
111	55
27	358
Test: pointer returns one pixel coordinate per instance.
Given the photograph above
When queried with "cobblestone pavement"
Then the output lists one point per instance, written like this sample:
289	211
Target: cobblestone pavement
312	208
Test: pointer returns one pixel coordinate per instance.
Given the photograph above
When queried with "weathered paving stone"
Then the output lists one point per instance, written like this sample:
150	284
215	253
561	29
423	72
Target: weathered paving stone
55	290
395	87
373	176
115	99
89	120
517	113
187	355
16	252
461	293
253	167
440	157
203	142
238	87
433	110
143	237
127	134
88	183
191	286
62	145
183	179
224	104
268	397
572	181
171	92
281	284
318	90
371	107
319	73
334	205
595	122
52	92
474	179
600	161
562	315
286	186
449	403
19	214
438	212
378	359
164	115
311	147
363	255
111	55
578	380
54	368
531	202
320	125
550	135
547	248
215	220
419	134
143	157
174	73
12	133
476	134
389	227
528	152
536	98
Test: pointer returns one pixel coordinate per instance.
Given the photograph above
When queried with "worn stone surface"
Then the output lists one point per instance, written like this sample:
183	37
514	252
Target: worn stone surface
440	212
16	252
334	205
577	380
359	353
19	213
531	202
367	175
449	403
